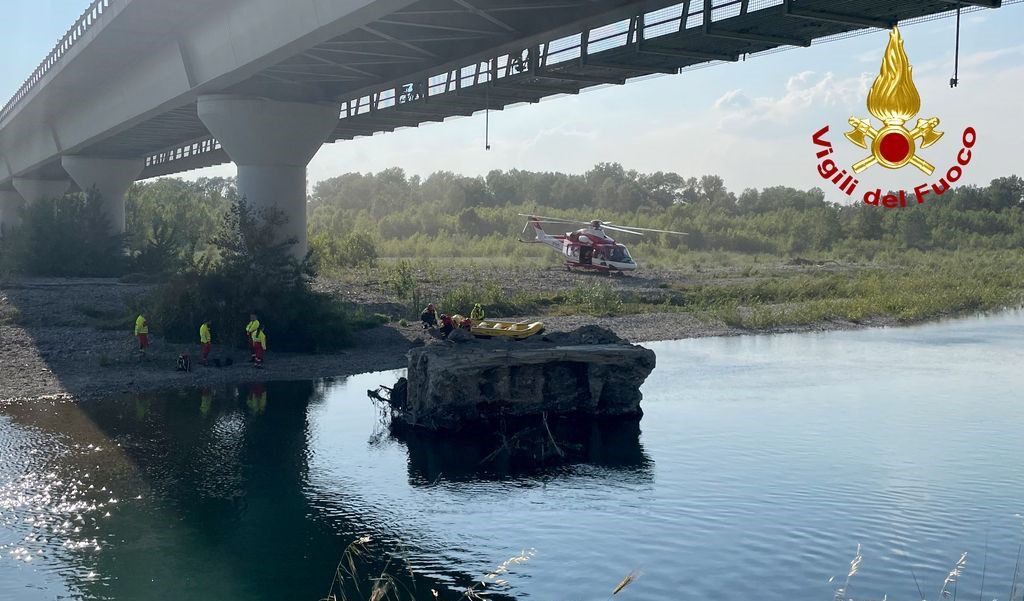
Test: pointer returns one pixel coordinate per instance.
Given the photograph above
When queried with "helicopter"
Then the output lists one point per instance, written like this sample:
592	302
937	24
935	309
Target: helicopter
588	248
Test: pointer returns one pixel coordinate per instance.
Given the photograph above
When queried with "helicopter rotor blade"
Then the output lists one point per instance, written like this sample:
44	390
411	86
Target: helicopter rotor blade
629	229
553	219
619	229
637	230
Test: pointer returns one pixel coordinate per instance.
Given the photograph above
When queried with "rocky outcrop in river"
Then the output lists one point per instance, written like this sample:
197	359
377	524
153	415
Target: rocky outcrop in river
589	371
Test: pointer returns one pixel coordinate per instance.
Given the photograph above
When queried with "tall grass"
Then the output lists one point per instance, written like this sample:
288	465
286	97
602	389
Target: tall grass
351	577
743	291
594	298
926	288
948	589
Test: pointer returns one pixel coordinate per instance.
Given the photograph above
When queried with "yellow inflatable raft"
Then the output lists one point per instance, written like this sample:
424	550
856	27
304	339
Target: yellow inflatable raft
507	329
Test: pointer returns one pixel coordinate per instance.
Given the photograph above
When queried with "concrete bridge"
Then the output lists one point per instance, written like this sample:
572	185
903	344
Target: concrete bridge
144	88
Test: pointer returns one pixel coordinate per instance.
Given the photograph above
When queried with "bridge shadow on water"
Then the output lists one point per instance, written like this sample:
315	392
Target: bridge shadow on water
234	466
218	500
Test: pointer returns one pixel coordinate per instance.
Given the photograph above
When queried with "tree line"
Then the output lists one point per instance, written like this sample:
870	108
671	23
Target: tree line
392	206
354	217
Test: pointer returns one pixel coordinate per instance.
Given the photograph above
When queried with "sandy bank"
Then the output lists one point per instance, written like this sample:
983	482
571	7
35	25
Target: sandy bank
52	342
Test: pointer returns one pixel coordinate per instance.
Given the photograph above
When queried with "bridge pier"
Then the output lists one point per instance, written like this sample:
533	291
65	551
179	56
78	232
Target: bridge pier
110	177
26	192
34	190
10	204
271	142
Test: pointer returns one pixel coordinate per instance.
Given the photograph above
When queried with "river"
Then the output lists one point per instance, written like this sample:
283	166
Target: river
760	464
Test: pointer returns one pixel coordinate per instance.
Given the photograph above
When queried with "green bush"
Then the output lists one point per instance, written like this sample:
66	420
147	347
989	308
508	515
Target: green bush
165	251
460	300
255	273
357	249
399	280
595	298
65	237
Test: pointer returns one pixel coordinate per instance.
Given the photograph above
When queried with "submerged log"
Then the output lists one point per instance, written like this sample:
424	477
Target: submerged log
590	371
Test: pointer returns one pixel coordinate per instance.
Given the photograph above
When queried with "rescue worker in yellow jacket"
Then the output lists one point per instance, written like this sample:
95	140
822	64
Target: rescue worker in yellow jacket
250	331
477	314
142	332
205	340
259	346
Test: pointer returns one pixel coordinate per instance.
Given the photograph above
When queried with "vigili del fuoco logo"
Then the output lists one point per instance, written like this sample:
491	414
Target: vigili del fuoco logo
893	100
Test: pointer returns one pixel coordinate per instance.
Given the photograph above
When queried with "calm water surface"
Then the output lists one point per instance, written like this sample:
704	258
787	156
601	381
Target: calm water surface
760	464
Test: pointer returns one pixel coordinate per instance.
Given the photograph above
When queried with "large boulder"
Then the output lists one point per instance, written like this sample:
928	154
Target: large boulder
590	371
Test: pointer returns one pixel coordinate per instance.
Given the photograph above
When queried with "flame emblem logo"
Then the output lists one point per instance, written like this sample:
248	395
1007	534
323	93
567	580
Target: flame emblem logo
894	100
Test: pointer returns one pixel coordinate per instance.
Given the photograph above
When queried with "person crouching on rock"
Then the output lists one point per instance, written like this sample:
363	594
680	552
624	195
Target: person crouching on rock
429	317
205	341
142	332
250	332
446	324
259	345
466	324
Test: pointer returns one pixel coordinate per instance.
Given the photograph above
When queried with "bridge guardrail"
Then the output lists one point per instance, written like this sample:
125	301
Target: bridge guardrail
578	47
89	18
623	32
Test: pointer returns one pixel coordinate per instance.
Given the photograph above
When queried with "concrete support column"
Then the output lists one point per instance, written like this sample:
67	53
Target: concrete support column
271	142
34	190
110	177
10	211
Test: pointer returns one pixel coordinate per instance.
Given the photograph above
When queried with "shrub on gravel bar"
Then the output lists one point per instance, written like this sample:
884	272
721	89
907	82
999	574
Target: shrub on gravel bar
254	273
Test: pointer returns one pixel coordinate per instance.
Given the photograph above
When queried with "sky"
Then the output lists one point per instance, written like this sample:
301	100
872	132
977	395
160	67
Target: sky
750	122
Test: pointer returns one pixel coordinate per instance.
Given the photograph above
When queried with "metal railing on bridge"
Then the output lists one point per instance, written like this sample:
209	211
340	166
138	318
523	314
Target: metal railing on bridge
643	44
573	49
89	18
570	56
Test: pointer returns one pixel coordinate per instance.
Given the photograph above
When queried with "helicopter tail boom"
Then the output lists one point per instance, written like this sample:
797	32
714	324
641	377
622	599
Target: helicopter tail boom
540	236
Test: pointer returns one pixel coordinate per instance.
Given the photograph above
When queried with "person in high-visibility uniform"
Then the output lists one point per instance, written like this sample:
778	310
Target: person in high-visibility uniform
477	315
259	341
205	340
142	332
250	331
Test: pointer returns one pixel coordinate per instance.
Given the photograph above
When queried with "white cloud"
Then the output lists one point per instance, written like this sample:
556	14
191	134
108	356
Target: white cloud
804	92
732	100
978	59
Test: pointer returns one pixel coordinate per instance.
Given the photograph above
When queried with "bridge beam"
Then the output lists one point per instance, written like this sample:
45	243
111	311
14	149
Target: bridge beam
10	211
110	177
271	142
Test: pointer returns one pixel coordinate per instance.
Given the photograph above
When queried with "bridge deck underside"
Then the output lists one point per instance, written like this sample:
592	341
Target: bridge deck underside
443	58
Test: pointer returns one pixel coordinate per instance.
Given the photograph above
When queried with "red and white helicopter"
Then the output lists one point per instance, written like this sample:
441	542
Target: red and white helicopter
589	247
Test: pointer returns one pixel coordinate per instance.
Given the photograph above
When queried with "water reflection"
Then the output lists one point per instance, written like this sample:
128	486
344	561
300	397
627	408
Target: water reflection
228	468
218	500
526	449
756	457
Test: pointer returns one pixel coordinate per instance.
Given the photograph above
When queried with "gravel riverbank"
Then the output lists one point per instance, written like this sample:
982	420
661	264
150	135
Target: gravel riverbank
57	338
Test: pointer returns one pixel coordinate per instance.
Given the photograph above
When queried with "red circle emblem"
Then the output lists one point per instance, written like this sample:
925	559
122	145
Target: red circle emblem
894	147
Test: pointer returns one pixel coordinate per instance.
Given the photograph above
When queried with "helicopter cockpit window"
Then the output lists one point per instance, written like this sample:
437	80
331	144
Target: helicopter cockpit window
619	254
